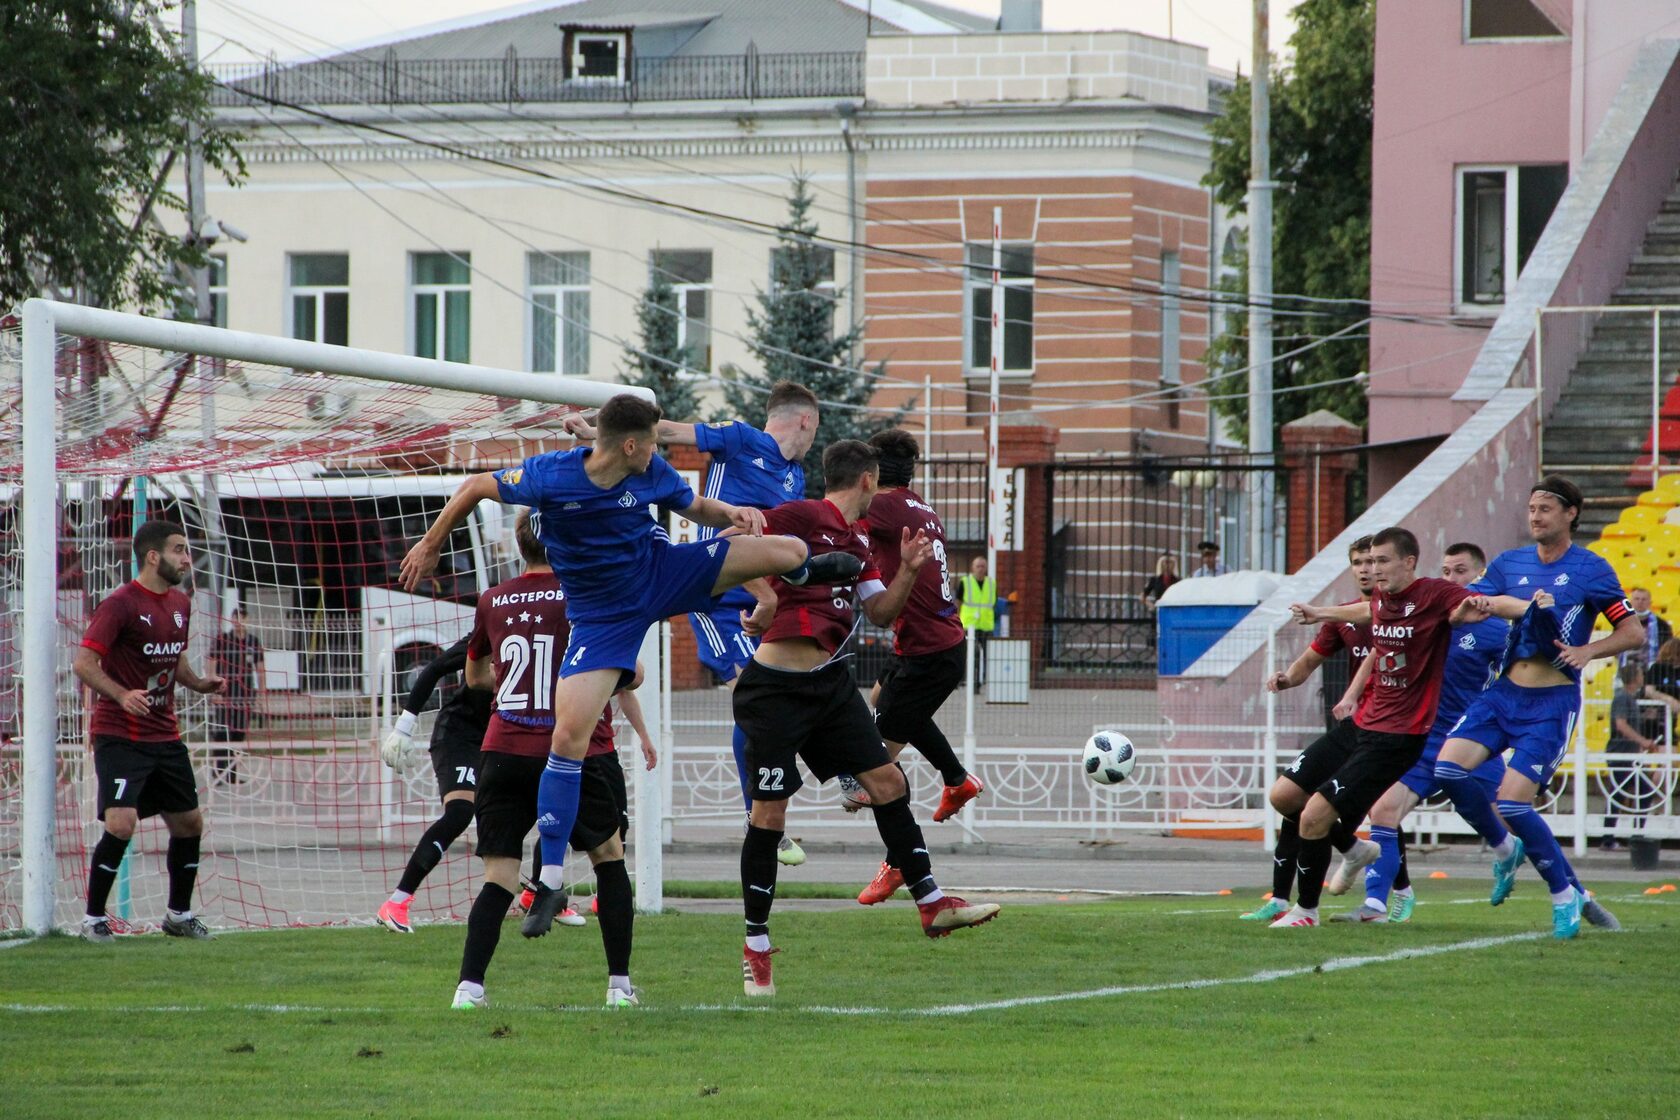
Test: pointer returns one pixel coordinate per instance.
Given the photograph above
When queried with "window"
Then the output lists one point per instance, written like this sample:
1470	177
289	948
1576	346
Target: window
1507	19
1501	214
1170	373
441	284
559	284
320	304
597	56
218	290
689	272
1017	308
820	262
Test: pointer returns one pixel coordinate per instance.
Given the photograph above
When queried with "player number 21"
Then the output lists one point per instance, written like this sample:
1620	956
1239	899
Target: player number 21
520	655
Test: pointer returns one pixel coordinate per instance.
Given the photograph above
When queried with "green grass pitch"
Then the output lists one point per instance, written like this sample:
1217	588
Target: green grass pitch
1455	1014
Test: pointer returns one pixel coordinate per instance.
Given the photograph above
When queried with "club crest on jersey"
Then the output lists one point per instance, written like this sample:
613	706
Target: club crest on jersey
179	621
512	475
787	483
1467	642
627	499
1563	578
1407	613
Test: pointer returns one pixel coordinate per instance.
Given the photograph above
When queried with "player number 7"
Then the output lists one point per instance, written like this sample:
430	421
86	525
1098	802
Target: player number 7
122	787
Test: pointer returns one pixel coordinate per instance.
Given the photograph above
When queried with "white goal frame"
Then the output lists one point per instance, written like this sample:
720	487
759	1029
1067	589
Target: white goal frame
43	321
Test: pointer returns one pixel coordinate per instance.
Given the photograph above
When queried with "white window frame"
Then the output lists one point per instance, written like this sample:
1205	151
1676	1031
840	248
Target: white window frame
1461	306
440	293
681	291
977	278
1465	37
563	326
577	60
316	292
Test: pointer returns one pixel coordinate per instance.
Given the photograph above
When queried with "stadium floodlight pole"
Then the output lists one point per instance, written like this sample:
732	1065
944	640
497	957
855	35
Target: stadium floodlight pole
993	490
43	320
1262	511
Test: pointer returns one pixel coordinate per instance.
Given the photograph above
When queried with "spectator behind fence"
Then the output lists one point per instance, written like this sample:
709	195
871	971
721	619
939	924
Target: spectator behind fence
1663	674
1632	732
237	656
1210	565
1657	631
1166	574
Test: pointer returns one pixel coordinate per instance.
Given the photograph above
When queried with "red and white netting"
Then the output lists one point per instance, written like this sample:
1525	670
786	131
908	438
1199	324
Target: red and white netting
300	493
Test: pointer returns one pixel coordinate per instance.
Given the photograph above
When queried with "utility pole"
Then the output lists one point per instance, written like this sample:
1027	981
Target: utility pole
196	216
1262	507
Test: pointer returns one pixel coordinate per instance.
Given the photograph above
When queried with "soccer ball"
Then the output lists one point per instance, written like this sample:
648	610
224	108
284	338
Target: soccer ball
1109	758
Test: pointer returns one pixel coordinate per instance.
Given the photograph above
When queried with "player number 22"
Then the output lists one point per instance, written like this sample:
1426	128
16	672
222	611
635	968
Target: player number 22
770	778
520	655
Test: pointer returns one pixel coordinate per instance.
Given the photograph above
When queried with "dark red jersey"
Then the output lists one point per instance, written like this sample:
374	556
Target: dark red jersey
1410	633
522	623
824	612
928	623
139	636
1355	637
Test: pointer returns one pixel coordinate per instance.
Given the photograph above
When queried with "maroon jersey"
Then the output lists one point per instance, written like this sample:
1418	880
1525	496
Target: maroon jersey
1355	637
1410	632
823	612
928	623
139	636
522	623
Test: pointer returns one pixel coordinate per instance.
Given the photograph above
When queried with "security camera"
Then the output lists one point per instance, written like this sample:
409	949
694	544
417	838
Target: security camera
214	230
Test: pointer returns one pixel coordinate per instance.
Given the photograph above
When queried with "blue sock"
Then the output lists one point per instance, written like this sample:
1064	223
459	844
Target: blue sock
557	808
1537	838
739	741
1574	880
1379	876
1470	801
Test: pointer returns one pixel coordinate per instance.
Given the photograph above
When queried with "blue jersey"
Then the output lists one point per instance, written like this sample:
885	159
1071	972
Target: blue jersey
747	468
599	542
1473	662
1583	586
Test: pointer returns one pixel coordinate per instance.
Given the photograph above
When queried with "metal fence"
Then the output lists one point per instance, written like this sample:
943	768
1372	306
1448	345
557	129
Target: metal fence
514	78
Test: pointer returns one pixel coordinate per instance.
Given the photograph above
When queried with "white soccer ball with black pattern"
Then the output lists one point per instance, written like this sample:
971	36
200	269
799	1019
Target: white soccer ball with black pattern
1109	758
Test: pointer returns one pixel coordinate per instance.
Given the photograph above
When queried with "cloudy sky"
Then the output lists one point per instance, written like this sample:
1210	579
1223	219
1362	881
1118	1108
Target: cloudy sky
233	30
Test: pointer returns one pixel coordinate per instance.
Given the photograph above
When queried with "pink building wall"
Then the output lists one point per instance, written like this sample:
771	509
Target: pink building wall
1441	103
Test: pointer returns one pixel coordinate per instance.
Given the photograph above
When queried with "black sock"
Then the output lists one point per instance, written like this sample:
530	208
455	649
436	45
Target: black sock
1283	858
1403	877
1311	866
484	930
937	749
906	849
182	862
758	876
617	914
457	815
1342	836
102	872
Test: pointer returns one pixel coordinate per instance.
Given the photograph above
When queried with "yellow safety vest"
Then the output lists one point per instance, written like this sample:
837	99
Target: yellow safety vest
978	599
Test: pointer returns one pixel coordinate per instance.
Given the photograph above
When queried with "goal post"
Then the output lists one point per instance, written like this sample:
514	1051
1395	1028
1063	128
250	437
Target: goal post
219	416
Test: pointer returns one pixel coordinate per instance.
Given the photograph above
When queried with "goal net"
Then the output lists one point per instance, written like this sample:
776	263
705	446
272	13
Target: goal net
302	475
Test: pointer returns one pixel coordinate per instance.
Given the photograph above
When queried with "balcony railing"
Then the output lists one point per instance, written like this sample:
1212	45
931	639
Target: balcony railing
514	79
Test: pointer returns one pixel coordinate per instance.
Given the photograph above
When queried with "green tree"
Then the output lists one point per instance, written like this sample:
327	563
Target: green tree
659	362
1321	216
93	99
794	337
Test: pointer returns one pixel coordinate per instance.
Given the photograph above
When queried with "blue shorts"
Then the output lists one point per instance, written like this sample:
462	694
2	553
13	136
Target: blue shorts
678	580
1535	724
1420	779
724	648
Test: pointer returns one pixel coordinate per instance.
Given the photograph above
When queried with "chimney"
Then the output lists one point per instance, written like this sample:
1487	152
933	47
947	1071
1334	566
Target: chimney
1022	15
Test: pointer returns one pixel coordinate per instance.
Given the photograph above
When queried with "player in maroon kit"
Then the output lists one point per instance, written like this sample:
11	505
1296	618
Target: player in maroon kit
927	660
132	656
518	634
1411	624
797	698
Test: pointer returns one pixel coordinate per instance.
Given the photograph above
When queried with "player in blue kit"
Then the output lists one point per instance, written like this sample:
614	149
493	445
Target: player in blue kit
1472	662
749	468
1532	709
621	574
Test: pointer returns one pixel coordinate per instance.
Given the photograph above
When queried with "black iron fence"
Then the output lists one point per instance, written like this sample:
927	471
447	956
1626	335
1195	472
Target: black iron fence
515	78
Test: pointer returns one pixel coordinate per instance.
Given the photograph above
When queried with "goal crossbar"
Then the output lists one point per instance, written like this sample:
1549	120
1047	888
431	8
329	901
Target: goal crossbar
43	321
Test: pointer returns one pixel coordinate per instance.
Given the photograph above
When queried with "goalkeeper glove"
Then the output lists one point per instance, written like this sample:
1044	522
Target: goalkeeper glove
398	748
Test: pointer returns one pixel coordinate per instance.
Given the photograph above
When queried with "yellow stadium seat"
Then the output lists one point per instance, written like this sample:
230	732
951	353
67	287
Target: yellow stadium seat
1640	517
1657	499
1669	485
1620	532
1632	573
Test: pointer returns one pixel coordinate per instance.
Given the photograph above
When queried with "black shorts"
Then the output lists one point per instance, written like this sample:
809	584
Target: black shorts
1324	756
1382	759
151	778
456	765
506	809
914	688
819	717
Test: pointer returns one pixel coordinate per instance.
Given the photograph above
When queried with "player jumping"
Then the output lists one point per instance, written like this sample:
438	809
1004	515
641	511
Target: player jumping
797	699
132	656
621	574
